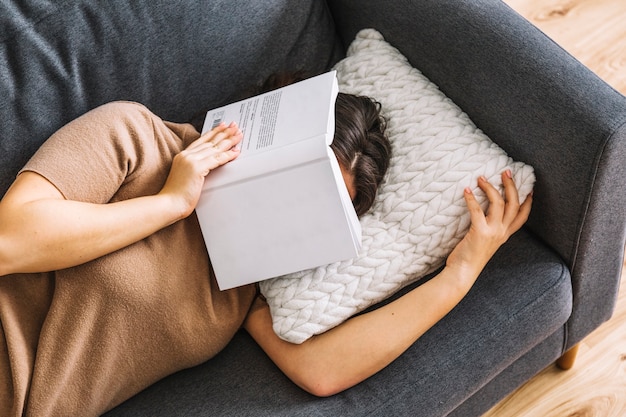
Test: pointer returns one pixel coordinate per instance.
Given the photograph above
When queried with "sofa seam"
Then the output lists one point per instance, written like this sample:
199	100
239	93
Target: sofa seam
587	203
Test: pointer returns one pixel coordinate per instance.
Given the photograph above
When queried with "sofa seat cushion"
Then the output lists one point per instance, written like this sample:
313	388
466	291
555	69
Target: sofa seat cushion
522	298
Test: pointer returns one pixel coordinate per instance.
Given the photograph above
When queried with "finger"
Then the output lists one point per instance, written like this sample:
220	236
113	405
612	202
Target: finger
510	190
213	155
228	138
477	217
522	214
496	202
217	130
512	205
221	158
220	139
207	136
214	160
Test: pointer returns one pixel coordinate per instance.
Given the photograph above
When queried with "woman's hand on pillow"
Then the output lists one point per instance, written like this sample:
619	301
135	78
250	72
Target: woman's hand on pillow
488	231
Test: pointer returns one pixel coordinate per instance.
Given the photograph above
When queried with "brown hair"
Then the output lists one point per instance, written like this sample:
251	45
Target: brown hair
361	146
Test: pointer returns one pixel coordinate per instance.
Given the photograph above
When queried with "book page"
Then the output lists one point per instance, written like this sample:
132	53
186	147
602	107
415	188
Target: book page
255	232
344	195
283	116
258	114
280	121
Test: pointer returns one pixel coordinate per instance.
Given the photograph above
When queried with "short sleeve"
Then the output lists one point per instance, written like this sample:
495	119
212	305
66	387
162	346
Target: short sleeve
99	154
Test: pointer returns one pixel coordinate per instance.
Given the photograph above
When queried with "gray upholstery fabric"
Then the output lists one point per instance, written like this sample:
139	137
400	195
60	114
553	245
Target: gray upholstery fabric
505	315
513	376
547	288
59	59
540	105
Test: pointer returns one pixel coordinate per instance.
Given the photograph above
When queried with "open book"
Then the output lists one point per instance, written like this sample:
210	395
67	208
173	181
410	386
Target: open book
282	206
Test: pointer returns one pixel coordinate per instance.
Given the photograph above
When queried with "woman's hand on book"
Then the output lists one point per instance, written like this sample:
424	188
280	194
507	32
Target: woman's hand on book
488	231
189	168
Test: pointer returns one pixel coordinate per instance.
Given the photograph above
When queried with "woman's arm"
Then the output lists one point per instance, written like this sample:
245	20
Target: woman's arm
351	352
42	231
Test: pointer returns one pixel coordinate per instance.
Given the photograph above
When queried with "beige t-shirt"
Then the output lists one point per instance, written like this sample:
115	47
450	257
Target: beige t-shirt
82	340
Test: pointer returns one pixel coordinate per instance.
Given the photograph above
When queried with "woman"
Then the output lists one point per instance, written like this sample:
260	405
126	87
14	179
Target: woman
107	204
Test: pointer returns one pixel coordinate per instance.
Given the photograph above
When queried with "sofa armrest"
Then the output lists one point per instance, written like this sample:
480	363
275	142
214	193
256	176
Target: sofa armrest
544	108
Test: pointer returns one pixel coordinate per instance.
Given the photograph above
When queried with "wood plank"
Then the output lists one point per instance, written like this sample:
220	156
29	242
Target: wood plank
593	31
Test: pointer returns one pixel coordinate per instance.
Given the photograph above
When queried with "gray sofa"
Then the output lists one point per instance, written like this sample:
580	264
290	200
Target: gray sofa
547	288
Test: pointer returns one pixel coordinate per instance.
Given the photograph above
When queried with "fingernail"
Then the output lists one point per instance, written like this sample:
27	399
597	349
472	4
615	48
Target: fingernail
482	178
509	173
468	190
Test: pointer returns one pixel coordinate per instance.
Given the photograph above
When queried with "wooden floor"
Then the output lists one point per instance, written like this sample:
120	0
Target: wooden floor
594	31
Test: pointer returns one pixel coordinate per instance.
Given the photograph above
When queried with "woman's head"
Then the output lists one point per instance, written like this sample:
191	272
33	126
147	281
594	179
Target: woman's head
361	146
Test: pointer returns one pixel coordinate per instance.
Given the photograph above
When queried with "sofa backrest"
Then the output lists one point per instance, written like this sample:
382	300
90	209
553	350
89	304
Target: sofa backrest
60	59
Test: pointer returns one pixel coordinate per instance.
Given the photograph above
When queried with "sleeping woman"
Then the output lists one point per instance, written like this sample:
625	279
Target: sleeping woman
106	285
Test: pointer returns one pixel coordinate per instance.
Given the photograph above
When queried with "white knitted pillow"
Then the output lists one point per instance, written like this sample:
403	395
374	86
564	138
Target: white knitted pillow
419	215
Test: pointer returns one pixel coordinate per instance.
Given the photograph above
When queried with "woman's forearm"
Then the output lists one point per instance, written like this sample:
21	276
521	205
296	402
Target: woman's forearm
358	348
42	231
49	233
